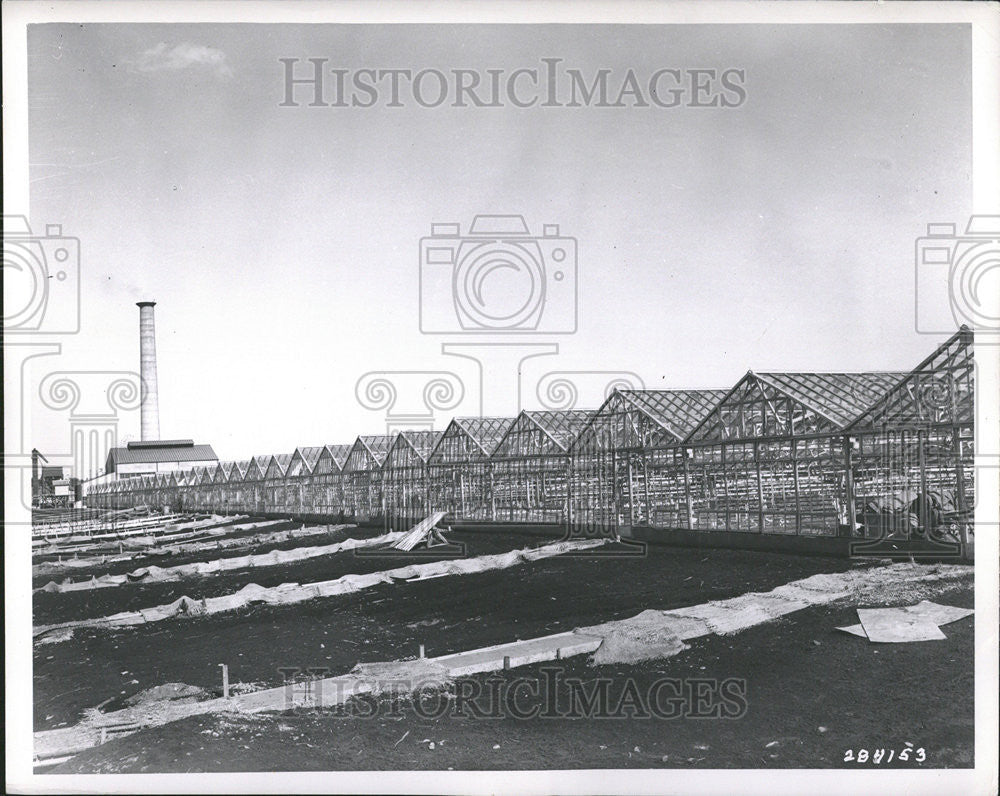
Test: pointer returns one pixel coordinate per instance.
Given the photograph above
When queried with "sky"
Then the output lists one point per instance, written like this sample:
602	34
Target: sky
282	244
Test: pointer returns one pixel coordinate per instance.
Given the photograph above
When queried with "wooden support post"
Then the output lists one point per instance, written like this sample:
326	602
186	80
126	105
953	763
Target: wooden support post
426	475
645	487
725	487
760	488
849	496
461	494
963	531
422	654
924	497
795	481
569	493
631	490
506	662
225	681
614	487
493	496
688	500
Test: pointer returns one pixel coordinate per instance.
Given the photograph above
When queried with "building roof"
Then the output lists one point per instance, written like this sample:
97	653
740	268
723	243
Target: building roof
257	468
137	444
422	442
828	401
153	453
676	411
841	397
339	454
278	465
201	474
559	427
486	432
310	455
941	389
369	451
635	418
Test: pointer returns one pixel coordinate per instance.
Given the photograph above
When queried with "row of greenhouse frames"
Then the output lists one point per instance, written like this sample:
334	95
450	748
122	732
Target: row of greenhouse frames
790	453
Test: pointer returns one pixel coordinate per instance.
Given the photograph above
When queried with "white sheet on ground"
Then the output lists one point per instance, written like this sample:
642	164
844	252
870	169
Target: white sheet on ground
154	574
293	592
906	623
894	625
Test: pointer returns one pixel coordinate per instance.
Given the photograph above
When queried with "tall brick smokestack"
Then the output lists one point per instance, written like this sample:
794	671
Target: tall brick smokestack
150	413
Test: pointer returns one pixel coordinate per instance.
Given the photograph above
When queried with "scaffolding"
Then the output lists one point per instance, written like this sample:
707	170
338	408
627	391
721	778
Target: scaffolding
768	457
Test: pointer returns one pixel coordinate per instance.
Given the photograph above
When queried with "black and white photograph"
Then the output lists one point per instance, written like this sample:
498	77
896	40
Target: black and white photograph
663	338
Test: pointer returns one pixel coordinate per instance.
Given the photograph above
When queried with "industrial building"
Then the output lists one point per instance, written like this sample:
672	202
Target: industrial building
159	456
150	455
50	486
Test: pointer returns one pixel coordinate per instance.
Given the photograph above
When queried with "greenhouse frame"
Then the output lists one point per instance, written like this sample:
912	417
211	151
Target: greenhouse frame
459	467
531	466
362	477
406	484
868	456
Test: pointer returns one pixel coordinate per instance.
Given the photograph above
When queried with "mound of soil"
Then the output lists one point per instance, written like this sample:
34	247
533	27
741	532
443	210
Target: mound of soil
644	637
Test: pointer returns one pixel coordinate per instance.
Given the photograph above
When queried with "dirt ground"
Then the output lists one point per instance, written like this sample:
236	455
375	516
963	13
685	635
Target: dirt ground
810	693
387	622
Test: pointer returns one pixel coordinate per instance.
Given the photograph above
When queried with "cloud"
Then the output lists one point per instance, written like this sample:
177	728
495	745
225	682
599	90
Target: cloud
163	58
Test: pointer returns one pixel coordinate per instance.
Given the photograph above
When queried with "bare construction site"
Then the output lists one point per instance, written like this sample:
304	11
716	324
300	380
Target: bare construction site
680	554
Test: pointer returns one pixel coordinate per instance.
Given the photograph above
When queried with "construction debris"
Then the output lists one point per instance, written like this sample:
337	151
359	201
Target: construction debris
920	622
424	533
